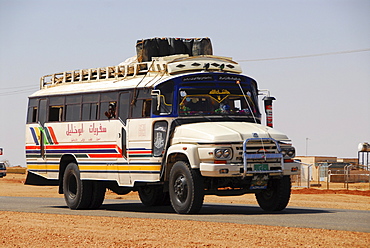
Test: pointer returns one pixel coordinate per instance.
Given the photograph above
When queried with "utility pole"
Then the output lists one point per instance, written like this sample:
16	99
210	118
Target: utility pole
307	146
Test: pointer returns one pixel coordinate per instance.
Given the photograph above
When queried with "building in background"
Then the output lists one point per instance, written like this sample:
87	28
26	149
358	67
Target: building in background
318	169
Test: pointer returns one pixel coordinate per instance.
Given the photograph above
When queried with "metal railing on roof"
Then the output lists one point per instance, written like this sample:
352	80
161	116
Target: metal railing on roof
117	72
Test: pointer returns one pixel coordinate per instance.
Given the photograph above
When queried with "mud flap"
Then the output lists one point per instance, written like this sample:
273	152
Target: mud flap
34	179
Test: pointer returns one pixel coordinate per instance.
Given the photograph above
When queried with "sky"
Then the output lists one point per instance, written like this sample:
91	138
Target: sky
313	56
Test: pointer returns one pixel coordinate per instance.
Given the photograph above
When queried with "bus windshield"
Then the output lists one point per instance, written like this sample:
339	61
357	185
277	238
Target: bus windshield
216	101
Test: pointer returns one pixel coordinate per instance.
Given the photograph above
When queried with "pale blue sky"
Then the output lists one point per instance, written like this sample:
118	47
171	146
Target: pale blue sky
323	98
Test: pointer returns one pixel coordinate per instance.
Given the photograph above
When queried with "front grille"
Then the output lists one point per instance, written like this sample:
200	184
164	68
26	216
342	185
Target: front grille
257	147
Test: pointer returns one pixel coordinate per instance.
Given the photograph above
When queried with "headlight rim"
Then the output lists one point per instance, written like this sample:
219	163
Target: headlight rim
223	153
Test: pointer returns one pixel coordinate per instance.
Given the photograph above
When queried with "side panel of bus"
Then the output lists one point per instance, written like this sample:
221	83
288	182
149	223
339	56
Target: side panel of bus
95	145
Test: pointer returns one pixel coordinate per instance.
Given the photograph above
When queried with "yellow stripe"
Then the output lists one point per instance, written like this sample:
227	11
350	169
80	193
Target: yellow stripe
95	167
145	168
37	167
38	134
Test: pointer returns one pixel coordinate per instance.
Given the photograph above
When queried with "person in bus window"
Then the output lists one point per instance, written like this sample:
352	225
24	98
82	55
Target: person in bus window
111	113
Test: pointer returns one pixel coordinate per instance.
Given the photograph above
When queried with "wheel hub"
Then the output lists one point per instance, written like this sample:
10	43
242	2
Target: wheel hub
180	188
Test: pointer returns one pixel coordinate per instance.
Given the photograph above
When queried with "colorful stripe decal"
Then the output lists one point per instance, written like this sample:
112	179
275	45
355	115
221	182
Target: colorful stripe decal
49	135
87	151
99	167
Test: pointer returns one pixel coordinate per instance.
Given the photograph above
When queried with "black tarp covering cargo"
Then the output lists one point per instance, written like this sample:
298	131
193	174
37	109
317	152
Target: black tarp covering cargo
146	49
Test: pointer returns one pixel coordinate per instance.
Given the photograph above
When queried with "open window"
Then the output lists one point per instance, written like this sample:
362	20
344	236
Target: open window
55	113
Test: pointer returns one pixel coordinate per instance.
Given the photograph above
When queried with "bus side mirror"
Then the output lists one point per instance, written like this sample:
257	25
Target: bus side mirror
156	101
268	109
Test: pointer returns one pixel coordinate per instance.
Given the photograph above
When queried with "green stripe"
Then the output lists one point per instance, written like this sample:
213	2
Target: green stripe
140	156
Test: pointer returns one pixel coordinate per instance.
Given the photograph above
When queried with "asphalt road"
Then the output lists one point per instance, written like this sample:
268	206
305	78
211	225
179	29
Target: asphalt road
335	219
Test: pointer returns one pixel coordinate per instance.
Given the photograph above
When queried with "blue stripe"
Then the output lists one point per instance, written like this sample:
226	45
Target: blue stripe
34	136
138	149
33	151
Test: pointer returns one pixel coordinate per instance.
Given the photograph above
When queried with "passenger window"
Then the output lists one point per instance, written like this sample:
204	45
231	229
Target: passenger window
73	99
32	110
94	111
34	114
137	109
73	112
124	106
55	113
147	107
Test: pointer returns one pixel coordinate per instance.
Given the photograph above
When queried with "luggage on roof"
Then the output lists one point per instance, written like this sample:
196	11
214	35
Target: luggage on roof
146	49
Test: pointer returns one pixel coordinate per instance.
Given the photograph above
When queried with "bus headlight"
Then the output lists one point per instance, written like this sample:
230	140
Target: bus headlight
223	153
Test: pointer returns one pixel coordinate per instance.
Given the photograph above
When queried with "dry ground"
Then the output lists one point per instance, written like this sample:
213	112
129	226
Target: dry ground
46	230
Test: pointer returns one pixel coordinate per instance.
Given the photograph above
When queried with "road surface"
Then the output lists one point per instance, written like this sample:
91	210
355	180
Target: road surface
335	219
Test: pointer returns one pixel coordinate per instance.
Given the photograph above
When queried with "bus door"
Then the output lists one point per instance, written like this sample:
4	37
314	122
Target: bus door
123	113
43	105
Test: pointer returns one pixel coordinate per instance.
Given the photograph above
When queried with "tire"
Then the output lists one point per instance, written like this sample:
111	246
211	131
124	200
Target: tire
276	196
154	196
77	193
98	194
186	189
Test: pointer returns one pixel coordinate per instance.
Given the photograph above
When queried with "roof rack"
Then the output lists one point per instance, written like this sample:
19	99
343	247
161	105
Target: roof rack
117	72
172	64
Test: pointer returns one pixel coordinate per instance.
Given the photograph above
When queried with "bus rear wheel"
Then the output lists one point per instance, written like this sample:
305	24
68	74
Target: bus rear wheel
154	196
98	194
186	188
81	194
276	196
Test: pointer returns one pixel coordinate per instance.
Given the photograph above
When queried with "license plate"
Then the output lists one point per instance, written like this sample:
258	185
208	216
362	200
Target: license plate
261	167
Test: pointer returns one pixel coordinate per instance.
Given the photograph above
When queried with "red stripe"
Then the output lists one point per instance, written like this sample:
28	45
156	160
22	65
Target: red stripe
105	155
53	135
32	147
81	147
139	152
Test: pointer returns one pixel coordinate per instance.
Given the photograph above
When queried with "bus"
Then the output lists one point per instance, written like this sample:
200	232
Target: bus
174	123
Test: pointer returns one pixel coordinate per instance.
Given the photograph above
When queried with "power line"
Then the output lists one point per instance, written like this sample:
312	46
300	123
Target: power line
15	92
307	56
17	87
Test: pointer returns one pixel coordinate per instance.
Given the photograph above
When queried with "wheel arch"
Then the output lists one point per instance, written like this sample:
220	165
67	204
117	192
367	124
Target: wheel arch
64	161
184	152
171	160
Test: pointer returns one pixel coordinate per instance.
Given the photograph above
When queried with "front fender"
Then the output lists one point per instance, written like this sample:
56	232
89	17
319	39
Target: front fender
189	150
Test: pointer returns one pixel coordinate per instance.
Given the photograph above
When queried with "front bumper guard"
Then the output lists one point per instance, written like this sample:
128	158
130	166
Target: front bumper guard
261	156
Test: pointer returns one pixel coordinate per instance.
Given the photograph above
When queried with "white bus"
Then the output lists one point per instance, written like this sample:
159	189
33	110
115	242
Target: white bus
175	123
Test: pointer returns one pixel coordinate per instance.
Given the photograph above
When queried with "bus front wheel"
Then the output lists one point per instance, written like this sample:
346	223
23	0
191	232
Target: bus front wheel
186	188
276	196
